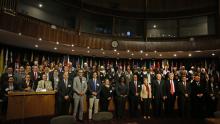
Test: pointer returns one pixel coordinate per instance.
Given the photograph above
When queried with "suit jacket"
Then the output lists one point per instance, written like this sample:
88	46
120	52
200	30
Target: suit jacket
213	89
24	85
182	90
159	90
197	89
79	86
44	85
168	87
65	90
35	81
121	89
5	89
91	88
132	89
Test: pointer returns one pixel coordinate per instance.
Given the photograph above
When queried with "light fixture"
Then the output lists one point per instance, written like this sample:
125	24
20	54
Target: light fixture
57	43
128	51
213	54
141	58
115	50
40	5
88	51
102	49
55	48
103	52
141	51
146	54
88	47
72	45
118	53
174	55
160	55
190	55
132	54
36	46
198	51
40	39
73	50
19	33
154	26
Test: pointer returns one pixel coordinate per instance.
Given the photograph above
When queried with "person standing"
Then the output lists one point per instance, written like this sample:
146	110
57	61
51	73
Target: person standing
105	95
65	92
94	88
134	95
146	96
79	89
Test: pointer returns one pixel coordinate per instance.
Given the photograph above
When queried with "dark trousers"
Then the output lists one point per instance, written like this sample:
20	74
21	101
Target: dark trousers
121	106
183	106
63	107
134	100
146	106
211	106
158	107
169	104
198	107
104	104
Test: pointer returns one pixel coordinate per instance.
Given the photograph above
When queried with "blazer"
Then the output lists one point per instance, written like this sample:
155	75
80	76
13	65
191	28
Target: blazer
65	90
79	86
132	89
91	88
44	85
158	90
168	87
197	89
182	90
24	85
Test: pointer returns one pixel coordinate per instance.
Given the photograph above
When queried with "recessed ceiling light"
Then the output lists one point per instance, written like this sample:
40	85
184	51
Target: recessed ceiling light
146	54
132	54
154	26
73	50
118	53
198	51
40	39
155	51
190	55
103	52
174	55
55	48
88	47
128	51
102	49
160	55
213	54
40	5
57	43
36	45
115	50
19	33
141	51
141	58
88	51
72	45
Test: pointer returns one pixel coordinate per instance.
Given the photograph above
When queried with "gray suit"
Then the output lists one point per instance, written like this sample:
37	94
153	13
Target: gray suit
79	87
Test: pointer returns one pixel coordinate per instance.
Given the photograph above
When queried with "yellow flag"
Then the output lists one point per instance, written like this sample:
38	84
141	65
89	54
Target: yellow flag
2	61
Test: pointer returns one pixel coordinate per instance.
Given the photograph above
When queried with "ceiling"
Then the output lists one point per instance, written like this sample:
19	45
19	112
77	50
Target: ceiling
14	39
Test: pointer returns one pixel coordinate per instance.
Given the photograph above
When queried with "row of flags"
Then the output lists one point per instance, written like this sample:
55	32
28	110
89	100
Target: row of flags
9	58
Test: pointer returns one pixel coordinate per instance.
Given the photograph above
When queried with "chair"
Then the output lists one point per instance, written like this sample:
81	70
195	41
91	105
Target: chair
64	119
102	116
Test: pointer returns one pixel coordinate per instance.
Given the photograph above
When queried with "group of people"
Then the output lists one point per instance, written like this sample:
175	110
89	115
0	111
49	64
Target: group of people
148	92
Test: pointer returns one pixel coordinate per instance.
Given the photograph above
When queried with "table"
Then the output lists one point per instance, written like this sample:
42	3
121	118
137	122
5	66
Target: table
30	104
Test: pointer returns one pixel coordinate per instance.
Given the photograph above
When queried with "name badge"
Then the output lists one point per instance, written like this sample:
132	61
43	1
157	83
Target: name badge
139	86
69	85
97	84
83	82
7	89
110	91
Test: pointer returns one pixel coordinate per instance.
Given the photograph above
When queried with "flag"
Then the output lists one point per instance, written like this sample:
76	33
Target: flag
2	61
11	58
82	63
32	57
6	59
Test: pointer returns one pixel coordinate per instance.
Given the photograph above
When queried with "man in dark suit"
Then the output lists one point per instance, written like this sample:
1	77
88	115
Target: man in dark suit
198	97
8	87
94	88
171	90
159	95
134	95
6	75
65	93
35	77
183	97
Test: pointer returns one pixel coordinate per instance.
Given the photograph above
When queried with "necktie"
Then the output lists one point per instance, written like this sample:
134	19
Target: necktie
35	75
94	85
171	87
